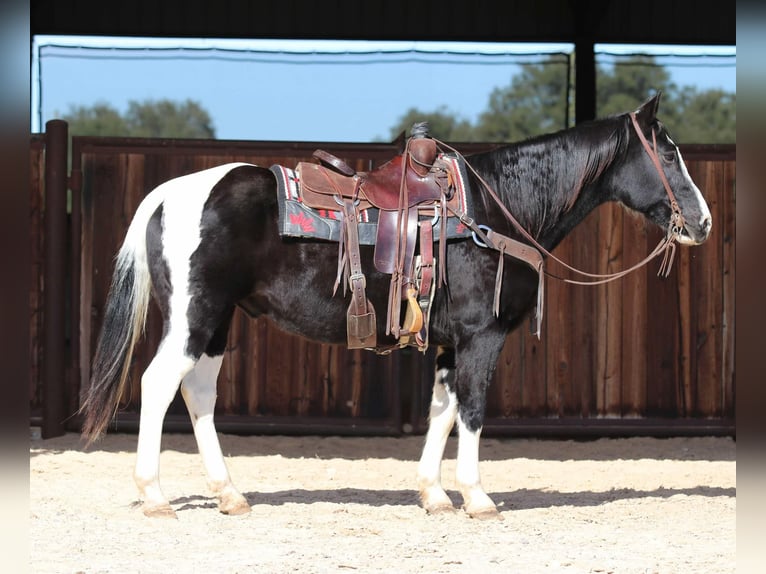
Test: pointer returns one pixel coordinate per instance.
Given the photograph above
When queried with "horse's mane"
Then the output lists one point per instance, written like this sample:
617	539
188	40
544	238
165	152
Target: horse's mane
541	178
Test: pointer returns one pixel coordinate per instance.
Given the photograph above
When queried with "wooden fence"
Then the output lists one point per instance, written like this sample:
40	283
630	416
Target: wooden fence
638	355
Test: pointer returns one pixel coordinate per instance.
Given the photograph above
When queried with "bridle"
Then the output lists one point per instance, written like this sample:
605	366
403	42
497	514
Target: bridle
665	247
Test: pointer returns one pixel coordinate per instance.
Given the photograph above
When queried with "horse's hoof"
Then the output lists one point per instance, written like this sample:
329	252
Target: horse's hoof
234	507
485	514
440	509
159	511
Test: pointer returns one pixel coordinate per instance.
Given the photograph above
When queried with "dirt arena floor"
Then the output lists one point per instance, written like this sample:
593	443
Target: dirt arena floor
331	504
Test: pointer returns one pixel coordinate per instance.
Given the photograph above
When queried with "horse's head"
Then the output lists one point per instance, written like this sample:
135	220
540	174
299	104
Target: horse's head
656	182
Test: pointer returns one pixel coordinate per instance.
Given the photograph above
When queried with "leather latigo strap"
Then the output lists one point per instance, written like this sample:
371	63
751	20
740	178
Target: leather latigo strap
361	321
426	272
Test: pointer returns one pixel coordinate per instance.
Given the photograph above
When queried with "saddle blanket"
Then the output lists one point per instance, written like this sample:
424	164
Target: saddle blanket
298	220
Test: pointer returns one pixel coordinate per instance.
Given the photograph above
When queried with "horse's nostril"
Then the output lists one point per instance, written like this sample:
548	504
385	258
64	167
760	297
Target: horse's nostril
706	224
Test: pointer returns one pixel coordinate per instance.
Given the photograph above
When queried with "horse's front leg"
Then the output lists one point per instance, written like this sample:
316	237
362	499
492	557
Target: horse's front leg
440	421
475	366
476	502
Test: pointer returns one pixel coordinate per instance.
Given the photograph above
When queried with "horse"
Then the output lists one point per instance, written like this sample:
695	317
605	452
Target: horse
205	242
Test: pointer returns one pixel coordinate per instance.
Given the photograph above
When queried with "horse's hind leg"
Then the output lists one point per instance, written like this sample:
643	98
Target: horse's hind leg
441	418
159	384
199	392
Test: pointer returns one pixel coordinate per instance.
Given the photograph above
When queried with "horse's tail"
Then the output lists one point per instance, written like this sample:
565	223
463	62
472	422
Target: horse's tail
123	324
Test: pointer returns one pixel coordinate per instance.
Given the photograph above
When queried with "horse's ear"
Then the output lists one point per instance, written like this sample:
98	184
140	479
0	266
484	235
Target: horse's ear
648	110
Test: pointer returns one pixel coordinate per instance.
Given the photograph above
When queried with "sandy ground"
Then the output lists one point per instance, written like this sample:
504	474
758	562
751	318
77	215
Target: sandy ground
330	504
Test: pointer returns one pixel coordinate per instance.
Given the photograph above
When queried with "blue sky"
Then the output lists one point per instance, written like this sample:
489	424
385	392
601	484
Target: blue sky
287	90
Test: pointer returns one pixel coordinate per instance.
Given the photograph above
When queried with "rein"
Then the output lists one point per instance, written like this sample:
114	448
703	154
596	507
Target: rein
665	247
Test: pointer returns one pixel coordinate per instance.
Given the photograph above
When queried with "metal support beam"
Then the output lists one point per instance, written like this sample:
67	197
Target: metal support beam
585	80
587	15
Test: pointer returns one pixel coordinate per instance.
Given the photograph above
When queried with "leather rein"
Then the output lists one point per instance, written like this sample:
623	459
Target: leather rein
666	246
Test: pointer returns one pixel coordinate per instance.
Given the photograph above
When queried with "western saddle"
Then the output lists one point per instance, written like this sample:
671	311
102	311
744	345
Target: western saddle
411	192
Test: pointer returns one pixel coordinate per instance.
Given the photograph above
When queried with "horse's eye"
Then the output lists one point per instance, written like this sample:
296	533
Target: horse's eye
669	157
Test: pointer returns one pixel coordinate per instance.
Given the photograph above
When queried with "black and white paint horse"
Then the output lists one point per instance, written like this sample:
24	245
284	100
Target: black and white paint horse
203	242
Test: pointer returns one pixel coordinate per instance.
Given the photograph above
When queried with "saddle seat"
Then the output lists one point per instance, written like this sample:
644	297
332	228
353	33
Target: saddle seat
322	187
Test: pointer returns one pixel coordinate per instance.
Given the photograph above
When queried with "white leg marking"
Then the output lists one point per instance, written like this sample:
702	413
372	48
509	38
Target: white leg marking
475	501
441	419
199	393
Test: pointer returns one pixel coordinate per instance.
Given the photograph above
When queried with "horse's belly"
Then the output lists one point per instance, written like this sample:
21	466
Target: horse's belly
312	311
313	322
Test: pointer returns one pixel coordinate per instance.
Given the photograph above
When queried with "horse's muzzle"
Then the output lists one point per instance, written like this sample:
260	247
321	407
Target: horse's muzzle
696	234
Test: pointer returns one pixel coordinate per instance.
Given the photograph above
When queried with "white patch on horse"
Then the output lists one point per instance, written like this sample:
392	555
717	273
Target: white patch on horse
442	415
182	214
475	500
441	420
199	392
183	200
705	214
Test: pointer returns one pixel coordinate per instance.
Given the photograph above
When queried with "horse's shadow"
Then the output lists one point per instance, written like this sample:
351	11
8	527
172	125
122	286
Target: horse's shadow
522	499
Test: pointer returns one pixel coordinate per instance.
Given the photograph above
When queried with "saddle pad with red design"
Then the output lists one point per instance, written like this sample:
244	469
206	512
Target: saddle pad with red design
298	220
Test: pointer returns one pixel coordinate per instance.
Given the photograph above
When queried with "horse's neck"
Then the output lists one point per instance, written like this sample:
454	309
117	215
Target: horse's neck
534	182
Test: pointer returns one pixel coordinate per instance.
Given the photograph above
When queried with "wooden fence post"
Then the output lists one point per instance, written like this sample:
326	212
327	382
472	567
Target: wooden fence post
54	372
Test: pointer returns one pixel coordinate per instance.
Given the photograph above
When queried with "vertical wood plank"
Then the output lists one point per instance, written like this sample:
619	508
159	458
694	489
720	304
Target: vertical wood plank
583	320
708	303
558	337
329	369
355	374
279	373
232	369
686	385
634	318
728	238
257	386
505	390
534	377
609	326
36	296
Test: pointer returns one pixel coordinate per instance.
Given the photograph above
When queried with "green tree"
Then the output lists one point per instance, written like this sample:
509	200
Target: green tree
165	118
534	103
100	119
709	116
150	118
443	125
630	83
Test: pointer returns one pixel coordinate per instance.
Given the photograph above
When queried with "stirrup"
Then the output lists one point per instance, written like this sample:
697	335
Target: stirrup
413	319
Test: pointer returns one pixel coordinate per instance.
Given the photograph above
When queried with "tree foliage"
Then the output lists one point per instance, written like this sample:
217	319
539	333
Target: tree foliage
535	102
442	123
150	118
